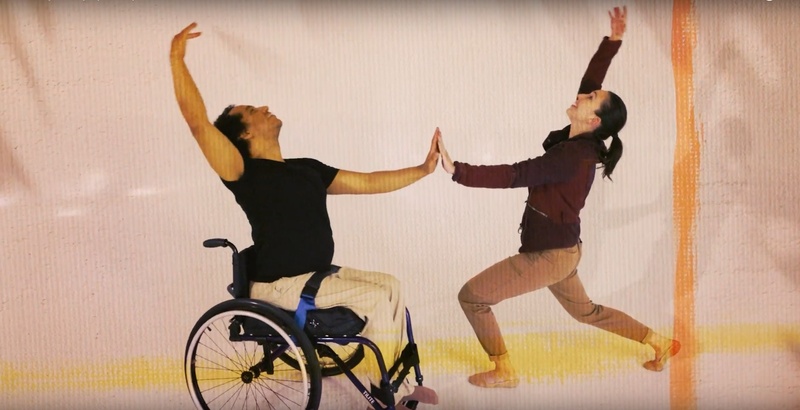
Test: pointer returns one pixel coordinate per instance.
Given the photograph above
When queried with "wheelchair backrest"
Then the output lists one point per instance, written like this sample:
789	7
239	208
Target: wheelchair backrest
243	262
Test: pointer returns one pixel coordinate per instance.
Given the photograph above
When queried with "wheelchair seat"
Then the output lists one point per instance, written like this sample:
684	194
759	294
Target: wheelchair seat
332	322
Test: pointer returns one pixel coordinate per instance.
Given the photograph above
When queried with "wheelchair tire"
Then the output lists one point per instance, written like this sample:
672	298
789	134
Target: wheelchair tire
225	366
351	354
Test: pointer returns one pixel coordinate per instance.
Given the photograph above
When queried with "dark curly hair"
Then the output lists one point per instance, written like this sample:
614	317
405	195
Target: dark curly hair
232	126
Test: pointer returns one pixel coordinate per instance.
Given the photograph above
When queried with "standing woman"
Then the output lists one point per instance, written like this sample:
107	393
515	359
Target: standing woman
558	183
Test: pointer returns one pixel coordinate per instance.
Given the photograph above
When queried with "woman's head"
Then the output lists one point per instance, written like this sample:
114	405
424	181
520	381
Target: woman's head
603	114
612	114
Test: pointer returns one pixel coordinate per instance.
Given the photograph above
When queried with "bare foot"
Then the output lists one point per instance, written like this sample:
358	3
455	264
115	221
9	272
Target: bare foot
494	378
422	394
663	352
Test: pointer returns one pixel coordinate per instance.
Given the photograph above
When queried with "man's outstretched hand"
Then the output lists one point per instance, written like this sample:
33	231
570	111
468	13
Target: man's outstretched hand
433	154
178	49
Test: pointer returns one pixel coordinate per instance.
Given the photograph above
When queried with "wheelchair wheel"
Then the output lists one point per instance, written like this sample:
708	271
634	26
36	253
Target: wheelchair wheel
231	361
351	354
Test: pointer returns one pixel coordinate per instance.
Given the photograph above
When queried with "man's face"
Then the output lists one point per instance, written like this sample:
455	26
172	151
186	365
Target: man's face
259	120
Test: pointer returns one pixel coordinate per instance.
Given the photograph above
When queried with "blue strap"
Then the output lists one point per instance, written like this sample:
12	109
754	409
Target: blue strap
309	293
306	304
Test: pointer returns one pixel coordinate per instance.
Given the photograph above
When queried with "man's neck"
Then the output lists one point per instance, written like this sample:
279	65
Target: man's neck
270	151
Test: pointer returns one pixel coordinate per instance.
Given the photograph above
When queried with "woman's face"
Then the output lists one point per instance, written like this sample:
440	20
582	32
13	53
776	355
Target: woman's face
585	106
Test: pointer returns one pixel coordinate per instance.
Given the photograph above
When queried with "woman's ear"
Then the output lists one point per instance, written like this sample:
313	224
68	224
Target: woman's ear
594	122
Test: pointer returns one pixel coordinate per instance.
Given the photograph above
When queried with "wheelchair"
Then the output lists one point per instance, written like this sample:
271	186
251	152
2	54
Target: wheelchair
248	354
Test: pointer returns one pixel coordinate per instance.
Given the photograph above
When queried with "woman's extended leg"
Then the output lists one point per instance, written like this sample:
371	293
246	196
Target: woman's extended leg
572	296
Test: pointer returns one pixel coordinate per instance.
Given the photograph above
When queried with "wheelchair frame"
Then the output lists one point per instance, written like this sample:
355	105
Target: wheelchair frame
274	331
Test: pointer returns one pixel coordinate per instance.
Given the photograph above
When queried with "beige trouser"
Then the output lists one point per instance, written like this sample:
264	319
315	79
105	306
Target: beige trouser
526	272
373	296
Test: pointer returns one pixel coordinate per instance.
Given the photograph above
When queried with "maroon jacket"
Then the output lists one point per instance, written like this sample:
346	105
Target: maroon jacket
559	181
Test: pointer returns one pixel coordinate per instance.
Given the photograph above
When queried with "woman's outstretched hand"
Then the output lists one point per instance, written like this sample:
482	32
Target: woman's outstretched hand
447	163
618	20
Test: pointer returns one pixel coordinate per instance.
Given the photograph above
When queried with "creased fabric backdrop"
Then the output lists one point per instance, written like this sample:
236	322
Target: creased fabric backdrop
105	197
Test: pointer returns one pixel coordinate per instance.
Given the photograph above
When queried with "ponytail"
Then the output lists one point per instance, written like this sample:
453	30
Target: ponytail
611	155
613	115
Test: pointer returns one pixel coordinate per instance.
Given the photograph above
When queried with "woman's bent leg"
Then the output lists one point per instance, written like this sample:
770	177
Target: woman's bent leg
514	276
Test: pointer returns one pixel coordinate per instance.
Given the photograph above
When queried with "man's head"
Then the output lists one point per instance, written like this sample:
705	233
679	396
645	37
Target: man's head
245	124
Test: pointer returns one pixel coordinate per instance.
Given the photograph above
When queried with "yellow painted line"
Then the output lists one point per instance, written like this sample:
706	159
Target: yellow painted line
686	169
592	353
136	374
538	357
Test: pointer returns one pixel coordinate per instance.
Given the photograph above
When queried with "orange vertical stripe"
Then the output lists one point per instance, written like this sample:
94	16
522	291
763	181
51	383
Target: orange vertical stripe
686	170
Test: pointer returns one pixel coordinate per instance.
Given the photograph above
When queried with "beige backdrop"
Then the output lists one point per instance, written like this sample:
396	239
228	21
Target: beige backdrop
105	198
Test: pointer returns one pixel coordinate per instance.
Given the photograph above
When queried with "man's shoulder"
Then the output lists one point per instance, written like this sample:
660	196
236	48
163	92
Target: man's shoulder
312	163
307	161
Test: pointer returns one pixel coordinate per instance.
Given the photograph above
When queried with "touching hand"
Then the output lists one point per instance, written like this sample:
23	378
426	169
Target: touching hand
433	154
447	163
618	21
178	49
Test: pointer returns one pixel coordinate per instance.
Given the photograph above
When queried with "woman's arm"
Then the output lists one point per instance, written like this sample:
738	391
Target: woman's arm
554	166
598	67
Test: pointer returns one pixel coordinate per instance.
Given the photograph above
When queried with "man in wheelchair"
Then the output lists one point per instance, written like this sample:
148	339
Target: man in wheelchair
285	202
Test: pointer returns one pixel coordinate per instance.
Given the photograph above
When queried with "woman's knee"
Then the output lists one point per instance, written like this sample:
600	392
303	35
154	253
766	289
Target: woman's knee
586	314
470	295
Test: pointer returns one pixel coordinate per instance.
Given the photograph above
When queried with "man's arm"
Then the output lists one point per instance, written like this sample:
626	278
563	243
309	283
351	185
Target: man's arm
350	182
220	153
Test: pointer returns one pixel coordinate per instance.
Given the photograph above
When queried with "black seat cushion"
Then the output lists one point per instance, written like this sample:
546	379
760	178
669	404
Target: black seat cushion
335	321
331	322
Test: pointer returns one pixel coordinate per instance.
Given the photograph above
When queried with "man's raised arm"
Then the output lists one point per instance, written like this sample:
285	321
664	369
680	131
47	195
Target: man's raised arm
220	153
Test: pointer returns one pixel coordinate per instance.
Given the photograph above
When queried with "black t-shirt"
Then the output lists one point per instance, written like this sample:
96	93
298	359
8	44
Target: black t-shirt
285	203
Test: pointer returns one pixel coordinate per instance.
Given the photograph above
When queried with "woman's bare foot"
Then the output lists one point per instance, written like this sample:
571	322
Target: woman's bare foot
664	349
503	374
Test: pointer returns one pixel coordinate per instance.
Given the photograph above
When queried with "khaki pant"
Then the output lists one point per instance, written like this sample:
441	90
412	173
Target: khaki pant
373	296
526	272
